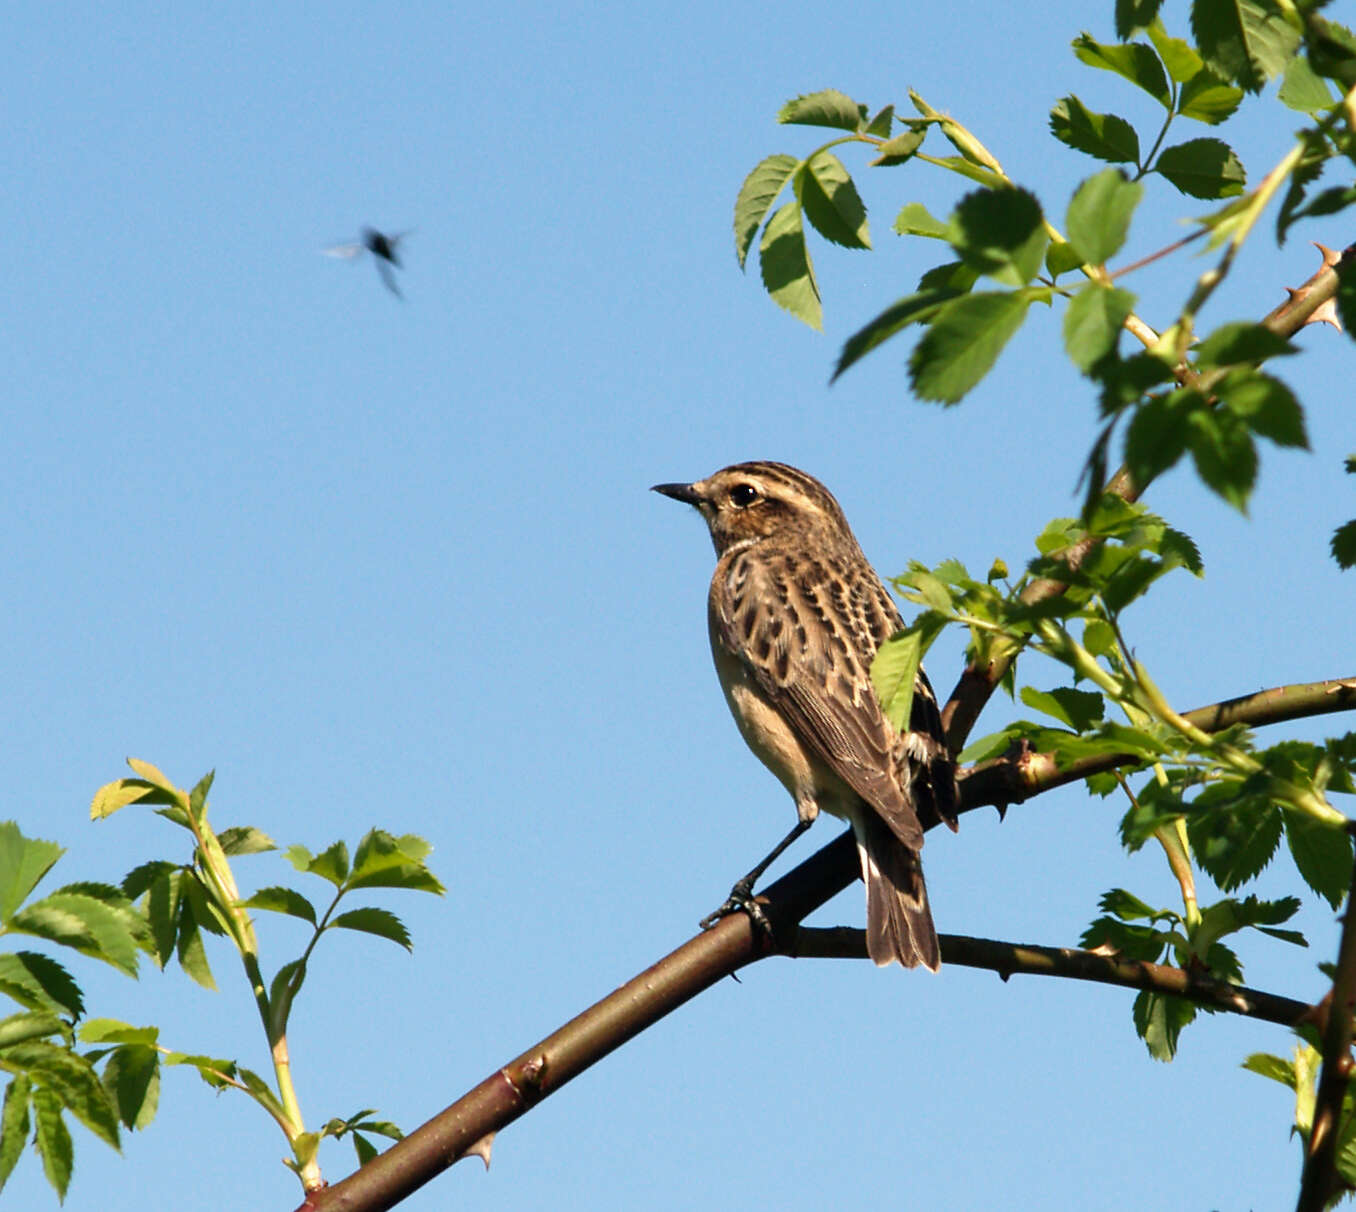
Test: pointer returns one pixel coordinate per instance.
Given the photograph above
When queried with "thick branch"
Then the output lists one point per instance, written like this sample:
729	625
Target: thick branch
1072	964
1320	1181
978	682
1009	780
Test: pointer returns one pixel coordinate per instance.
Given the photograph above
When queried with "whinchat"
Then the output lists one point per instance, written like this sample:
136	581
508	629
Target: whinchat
796	615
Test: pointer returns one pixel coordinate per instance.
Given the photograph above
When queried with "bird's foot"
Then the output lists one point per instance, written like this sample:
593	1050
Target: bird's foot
740	900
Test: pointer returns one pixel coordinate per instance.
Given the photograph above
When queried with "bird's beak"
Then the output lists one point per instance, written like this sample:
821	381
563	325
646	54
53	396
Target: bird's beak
686	493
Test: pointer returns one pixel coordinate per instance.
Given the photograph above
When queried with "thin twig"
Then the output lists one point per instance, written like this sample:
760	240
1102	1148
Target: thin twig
1008	959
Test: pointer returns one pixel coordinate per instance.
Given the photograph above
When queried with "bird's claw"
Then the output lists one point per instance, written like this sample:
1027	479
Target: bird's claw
740	899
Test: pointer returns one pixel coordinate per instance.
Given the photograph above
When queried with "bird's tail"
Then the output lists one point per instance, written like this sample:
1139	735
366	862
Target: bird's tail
898	920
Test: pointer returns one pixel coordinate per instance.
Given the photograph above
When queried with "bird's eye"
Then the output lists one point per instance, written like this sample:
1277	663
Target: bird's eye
743	495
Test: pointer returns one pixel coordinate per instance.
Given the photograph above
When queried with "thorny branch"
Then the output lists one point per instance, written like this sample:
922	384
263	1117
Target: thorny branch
1320	1180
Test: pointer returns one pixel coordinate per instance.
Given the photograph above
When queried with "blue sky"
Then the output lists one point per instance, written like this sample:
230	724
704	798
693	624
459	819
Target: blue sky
385	563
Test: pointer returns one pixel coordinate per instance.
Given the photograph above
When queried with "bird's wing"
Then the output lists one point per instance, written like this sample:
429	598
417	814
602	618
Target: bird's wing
799	636
388	276
346	251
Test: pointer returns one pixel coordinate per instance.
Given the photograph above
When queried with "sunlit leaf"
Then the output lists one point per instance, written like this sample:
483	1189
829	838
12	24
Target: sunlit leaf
963	343
788	274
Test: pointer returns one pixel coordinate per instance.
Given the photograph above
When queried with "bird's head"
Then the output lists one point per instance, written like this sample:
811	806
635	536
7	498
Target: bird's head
748	502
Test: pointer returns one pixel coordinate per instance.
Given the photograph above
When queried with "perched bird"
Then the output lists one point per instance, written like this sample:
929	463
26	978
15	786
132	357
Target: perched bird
383	249
796	615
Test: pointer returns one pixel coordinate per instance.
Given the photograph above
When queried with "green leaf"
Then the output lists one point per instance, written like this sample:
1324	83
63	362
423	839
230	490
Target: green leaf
1093	322
240	840
213	1071
32	1024
121	792
278	899
132	1078
371	920
881	125
1246	41
899	149
14	1124
1104	136
911	309
1202	168
1157	435
52	1139
95	925
831	202
284	987
1134	61
828	107
23	862
1125	905
1098	218
755	199
40	983
1322	852
115	1031
1079	709
894	671
1159	1019
1206	98
1246	342
1061	256
1267	406
383	861
914	220
787	271
1304	89
189	946
1134	15
1273	1067
1179	57
330	864
1225	456
963	343
70	1077
364	1148
1343	545
999	232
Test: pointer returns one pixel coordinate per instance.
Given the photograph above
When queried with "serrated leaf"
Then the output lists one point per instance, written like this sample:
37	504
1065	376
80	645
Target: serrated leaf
119	793
963	343
1267	406
1134	15
1099	214
894	671
832	203
1133	60
1079	709
899	149
39	982
330	864
1125	905
70	1078
827	107
1061	257
999	232
1093	322
52	1139
29	1025
1224	453
1179	57
14	1125
1322	853
881	125
1104	136
1246	41
1202	168
1157	435
371	920
364	1149
1244	342
278	899
86	923
788	274
755	199
240	840
915	220
912	309
190	948
1206	98
1304	89
1343	545
1274	1067
1159	1019
132	1078
23	863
